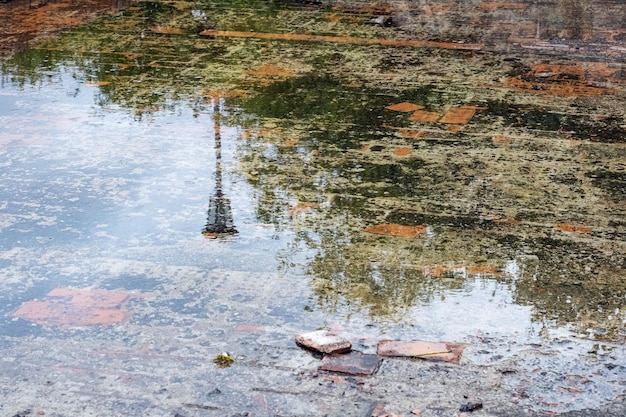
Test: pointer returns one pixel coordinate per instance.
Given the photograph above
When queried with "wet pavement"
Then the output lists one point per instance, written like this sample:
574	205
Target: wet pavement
182	180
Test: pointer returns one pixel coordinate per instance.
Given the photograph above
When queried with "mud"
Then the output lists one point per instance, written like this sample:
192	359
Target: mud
457	178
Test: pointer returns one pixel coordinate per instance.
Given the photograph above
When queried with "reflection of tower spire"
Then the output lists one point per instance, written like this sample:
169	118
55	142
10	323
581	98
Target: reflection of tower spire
220	216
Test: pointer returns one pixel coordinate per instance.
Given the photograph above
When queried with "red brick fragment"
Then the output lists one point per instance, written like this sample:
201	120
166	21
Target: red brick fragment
324	342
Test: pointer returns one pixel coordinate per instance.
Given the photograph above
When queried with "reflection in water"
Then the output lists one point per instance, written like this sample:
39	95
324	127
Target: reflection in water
523	179
219	215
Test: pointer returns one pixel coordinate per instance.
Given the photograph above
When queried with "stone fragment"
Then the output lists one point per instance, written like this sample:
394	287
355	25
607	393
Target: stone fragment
433	351
324	342
353	363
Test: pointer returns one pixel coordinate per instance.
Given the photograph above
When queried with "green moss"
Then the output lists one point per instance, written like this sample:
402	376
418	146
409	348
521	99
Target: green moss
224	360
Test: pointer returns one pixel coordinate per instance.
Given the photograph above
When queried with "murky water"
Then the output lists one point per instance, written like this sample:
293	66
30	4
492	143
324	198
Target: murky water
488	214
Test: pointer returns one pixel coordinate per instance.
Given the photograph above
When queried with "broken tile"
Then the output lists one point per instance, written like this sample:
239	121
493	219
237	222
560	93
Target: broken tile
269	71
411	133
303	207
353	363
404	107
424	116
433	351
324	342
573	228
402	151
459	115
396	230
77	307
249	328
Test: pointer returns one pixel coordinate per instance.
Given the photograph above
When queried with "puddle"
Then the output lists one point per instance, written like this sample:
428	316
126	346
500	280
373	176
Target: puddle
389	189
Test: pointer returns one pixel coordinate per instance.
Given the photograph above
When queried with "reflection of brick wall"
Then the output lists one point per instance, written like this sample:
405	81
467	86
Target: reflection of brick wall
491	22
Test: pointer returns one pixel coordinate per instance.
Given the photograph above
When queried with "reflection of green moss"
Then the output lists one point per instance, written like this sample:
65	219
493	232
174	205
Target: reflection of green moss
574	288
609	130
613	183
316	95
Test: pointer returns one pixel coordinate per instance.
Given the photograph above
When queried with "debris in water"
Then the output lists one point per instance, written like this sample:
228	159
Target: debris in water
402	151
97	83
323	342
411	133
471	407
303	207
424	116
404	107
223	360
269	71
433	351
459	115
77	307
573	228
353	363
396	230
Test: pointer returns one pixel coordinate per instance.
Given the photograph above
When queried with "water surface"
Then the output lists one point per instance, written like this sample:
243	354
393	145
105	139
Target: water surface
119	140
